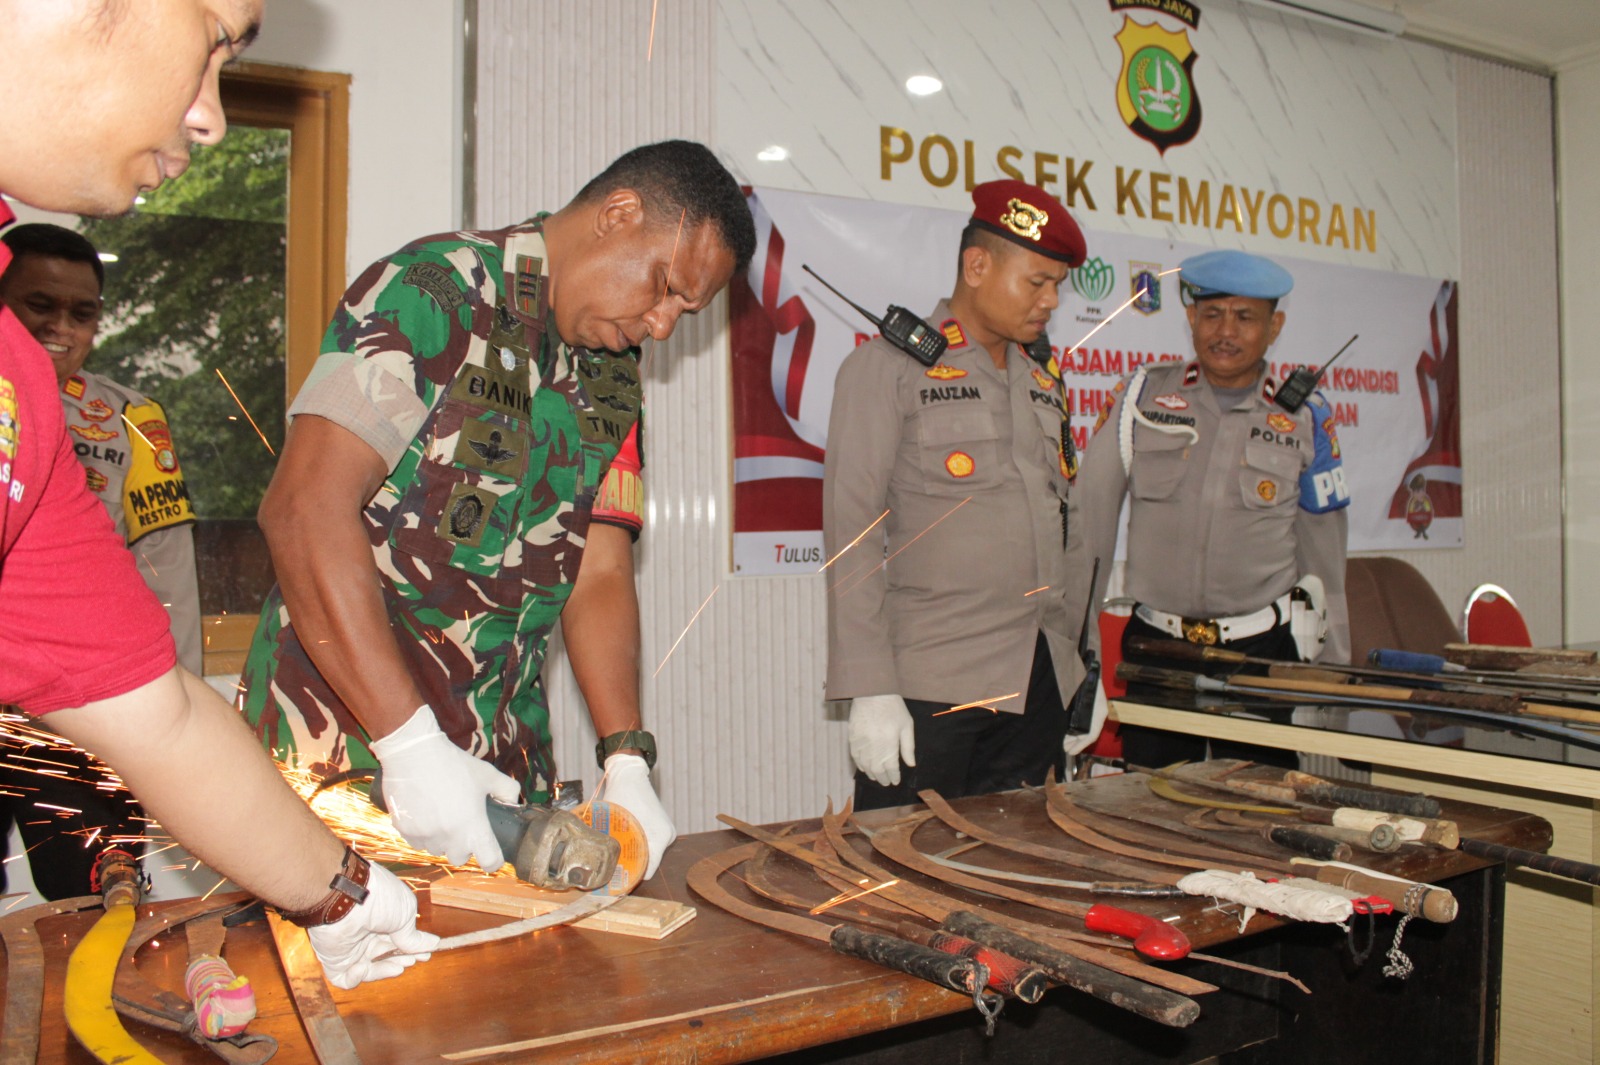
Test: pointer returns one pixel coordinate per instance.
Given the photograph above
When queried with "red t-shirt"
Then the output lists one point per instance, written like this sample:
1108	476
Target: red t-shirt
77	622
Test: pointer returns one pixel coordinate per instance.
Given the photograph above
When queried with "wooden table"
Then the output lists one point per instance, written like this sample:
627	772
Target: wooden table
724	990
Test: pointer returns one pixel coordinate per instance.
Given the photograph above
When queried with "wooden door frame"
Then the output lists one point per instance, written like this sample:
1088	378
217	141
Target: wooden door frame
315	107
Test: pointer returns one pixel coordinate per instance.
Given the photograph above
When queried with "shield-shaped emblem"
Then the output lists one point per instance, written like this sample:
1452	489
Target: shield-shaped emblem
1155	89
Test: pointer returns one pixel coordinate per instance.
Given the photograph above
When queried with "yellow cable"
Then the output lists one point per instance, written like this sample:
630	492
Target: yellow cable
91	971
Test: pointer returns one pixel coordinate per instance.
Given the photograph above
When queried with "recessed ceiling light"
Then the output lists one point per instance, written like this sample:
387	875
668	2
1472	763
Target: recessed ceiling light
923	85
775	153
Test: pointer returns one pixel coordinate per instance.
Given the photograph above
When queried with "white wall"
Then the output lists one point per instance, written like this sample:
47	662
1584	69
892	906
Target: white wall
405	111
1578	143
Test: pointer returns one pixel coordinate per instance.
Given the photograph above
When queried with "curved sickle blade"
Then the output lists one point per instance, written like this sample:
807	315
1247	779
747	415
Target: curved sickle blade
19	1031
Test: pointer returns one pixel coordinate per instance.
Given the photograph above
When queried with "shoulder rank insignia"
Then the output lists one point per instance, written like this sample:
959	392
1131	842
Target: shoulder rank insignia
953	333
1191	373
74	387
942	372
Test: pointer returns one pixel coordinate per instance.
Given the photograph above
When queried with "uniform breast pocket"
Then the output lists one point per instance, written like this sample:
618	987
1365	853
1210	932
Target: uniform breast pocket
460	509
1270	477
959	450
1159	463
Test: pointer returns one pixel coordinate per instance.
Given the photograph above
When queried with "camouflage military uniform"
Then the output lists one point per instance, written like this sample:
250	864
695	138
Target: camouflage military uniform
498	436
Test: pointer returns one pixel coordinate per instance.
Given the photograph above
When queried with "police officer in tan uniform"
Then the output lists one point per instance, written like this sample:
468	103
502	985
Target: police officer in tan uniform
1236	506
971	459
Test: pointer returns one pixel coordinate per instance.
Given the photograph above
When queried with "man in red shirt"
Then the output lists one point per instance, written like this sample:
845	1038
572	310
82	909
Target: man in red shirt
102	101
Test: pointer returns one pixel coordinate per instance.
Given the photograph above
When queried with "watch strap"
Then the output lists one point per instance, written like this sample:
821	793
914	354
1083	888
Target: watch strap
638	739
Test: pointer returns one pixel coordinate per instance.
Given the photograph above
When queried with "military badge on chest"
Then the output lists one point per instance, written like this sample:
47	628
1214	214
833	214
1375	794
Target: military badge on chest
609	385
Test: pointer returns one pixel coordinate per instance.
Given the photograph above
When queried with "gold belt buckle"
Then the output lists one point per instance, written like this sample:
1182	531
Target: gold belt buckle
1204	633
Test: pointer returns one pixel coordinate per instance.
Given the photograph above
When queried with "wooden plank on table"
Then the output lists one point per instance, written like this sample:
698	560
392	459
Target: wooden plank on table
632	916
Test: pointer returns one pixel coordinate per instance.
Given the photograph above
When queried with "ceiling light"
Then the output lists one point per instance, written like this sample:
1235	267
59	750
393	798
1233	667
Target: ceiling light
923	85
775	153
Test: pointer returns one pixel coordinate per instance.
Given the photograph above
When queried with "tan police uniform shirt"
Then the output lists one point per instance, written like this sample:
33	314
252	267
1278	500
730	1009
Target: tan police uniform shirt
139	480
967	460
1215	527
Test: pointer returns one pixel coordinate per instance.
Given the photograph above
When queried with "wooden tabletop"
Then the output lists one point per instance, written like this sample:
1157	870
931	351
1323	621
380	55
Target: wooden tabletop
718	990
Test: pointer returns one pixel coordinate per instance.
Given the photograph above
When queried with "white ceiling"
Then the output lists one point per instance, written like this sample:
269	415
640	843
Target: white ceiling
1547	34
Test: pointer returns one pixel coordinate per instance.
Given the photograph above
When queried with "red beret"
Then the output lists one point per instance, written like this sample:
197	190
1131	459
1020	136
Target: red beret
1027	215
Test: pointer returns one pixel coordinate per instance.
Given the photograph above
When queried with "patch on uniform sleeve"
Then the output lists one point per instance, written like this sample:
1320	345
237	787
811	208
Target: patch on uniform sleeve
959	464
438	282
154	494
1322	484
466	514
621	498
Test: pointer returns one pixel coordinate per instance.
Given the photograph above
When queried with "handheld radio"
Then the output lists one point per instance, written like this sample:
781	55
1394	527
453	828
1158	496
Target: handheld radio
1302	382
899	327
1039	351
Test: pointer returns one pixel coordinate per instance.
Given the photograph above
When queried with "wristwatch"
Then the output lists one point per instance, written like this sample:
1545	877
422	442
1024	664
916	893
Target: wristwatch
637	739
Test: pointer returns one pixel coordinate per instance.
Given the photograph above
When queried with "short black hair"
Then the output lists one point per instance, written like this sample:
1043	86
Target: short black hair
55	242
682	179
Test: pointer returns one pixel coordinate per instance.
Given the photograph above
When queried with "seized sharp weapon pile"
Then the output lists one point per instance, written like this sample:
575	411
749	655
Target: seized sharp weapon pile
1088	911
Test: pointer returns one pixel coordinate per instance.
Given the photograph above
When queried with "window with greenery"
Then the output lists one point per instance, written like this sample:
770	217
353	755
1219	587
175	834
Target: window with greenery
194	308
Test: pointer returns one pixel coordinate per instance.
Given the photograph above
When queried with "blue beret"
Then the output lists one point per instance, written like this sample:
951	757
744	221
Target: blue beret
1233	273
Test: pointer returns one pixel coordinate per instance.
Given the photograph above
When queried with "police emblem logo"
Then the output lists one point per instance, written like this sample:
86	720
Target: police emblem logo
1172	401
1094	280
92	432
1280	422
953	333
1024	219
1156	94
95	480
1045	382
1267	490
942	372
159	437
1146	284
959	464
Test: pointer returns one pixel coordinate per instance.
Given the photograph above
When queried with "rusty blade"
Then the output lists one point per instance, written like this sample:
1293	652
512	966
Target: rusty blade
19	1031
319	1016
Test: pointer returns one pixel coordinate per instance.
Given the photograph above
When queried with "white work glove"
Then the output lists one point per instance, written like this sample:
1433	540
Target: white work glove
375	940
627	784
1076	743
881	734
434	791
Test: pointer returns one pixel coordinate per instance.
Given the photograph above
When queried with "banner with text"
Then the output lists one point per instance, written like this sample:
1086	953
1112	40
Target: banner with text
1394	392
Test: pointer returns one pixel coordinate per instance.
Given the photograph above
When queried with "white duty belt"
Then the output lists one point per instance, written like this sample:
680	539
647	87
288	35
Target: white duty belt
1211	631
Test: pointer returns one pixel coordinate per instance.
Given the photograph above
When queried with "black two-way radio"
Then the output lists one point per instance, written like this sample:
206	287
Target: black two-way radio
1294	392
899	327
1039	351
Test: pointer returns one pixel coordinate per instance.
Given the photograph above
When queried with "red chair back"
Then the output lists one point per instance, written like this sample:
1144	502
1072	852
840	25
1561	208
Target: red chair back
1492	617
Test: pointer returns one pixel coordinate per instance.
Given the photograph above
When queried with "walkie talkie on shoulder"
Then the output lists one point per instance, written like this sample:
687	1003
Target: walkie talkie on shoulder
1294	392
1039	351
899	327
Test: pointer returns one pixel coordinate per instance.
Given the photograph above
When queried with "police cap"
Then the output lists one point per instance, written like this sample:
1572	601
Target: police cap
1214	274
1027	215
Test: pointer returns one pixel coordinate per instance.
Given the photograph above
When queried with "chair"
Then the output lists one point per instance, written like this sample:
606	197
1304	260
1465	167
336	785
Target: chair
1392	605
1491	616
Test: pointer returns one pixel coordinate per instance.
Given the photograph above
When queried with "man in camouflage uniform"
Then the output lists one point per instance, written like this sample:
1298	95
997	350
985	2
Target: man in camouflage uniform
442	500
65	814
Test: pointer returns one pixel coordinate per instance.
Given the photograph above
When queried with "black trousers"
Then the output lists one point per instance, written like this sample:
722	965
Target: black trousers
66	820
1154	748
978	751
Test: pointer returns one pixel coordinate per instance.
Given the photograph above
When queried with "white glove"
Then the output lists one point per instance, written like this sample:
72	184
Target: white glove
1076	743
434	791
627	784
375	940
881	735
